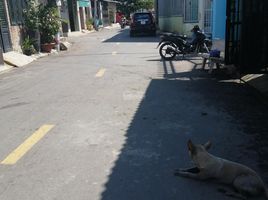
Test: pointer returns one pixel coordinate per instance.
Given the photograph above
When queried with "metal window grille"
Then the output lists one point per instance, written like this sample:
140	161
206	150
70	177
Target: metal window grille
191	11
208	17
168	8
247	19
233	37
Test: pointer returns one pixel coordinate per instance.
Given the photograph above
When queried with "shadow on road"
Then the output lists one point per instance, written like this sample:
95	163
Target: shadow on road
123	36
182	106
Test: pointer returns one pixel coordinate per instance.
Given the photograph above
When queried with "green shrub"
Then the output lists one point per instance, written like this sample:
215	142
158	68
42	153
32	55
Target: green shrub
49	23
89	24
31	15
27	46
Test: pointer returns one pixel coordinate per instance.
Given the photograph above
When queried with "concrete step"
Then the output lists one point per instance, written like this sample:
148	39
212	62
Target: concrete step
258	81
17	59
65	45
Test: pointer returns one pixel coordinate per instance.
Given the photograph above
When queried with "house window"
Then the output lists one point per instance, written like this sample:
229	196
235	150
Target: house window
168	8
16	11
191	11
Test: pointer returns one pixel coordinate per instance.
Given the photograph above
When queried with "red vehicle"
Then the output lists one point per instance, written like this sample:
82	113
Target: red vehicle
142	22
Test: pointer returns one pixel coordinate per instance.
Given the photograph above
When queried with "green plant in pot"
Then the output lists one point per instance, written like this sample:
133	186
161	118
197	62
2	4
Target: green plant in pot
49	26
31	22
89	24
28	47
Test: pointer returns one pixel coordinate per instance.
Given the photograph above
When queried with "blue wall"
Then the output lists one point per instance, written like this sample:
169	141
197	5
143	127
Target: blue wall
219	19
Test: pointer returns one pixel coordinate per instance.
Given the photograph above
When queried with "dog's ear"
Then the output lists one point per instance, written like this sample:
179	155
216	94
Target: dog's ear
207	145
191	146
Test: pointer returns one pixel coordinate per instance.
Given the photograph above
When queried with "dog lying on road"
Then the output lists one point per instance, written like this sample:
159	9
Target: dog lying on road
244	180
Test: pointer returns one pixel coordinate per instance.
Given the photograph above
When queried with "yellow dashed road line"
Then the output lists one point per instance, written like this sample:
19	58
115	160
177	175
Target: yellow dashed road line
22	149
100	73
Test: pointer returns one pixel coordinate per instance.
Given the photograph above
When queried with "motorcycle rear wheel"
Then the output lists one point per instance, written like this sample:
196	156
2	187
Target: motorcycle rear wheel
166	51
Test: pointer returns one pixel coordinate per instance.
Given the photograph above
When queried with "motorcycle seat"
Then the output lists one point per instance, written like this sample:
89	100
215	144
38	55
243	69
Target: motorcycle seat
167	34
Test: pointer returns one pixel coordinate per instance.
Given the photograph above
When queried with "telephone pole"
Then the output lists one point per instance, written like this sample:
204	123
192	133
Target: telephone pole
58	3
95	14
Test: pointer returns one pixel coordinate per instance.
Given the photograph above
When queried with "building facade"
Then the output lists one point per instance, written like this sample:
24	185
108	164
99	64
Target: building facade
241	24
12	30
109	12
219	19
181	15
11	23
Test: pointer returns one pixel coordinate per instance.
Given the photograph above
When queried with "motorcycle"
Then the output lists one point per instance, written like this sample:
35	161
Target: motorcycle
123	23
173	44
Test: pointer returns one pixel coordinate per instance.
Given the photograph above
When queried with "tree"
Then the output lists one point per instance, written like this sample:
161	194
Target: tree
146	4
129	6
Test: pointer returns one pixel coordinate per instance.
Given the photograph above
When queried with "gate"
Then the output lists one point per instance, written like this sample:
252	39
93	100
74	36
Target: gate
233	32
246	35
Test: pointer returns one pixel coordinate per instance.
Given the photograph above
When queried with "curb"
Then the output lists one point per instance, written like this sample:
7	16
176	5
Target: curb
15	59
5	68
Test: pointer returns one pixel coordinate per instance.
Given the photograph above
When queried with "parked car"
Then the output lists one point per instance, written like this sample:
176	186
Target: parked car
142	22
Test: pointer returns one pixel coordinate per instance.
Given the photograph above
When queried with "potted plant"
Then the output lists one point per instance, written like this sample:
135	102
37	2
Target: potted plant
28	47
31	22
89	24
49	26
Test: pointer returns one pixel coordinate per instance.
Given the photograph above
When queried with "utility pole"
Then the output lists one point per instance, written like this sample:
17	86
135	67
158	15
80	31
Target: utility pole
95	14
58	3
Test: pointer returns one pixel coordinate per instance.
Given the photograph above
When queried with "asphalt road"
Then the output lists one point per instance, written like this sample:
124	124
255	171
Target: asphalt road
109	120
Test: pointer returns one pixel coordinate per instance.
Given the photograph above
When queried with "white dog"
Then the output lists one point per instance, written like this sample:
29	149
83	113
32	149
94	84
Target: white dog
244	180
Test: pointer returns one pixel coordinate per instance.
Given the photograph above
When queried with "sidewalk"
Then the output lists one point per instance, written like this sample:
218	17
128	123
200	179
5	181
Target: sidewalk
16	59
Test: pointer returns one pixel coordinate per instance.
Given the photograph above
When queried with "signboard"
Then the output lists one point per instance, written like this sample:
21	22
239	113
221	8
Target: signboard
84	3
